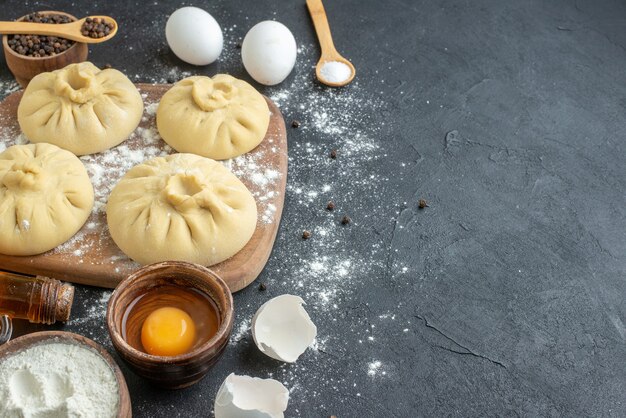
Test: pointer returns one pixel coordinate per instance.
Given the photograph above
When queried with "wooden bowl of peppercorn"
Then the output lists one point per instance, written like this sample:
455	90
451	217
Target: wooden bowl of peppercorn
54	53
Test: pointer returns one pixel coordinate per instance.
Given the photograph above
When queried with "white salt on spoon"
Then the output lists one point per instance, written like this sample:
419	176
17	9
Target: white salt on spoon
335	71
332	69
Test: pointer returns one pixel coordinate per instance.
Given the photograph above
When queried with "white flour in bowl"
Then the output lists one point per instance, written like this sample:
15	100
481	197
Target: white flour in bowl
57	380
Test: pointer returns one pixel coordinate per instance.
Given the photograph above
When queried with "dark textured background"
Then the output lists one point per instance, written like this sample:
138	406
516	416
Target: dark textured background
511	284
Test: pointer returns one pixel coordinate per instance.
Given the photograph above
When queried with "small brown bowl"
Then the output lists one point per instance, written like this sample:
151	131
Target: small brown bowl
183	370
21	343
24	68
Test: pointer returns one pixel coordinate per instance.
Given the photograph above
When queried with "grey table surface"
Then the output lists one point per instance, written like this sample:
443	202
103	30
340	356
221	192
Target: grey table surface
504	297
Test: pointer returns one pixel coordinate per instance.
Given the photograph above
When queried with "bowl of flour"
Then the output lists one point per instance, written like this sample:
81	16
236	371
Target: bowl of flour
59	374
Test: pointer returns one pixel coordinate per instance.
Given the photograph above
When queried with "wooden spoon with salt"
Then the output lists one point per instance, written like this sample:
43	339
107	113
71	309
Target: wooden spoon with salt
332	69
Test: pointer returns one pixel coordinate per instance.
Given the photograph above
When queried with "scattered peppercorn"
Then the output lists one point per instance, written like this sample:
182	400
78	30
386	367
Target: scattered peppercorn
346	220
40	45
262	287
333	154
295	124
306	234
422	204
238	46
107	66
330	205
96	27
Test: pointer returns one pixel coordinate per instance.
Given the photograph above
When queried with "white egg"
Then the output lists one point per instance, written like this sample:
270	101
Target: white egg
251	397
282	329
194	36
269	52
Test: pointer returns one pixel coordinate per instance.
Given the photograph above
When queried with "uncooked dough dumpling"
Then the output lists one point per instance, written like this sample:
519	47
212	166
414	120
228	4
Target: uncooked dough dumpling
220	117
181	207
45	198
80	108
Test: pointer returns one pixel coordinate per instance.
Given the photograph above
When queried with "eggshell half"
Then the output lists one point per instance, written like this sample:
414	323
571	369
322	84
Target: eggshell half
282	329
250	397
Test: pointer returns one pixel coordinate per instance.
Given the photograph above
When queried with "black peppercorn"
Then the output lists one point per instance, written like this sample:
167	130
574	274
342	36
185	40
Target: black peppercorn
422	204
333	154
330	205
40	45
346	220
306	234
96	27
262	287
295	124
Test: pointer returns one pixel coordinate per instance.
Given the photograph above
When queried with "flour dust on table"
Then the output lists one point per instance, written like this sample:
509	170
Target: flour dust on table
92	302
326	267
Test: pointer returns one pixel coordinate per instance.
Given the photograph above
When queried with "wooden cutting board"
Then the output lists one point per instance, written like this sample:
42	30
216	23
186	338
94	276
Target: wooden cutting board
91	257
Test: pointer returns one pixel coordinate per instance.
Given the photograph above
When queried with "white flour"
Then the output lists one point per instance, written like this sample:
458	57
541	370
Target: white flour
323	269
80	383
375	368
241	331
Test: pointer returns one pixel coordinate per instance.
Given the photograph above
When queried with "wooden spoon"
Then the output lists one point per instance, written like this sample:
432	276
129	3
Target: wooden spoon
329	53
71	31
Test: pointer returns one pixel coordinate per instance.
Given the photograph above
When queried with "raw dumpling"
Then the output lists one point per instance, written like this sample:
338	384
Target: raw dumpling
181	207
80	108
220	117
45	198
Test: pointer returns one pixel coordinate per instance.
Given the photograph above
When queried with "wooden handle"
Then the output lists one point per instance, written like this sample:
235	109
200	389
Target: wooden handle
30	28
320	21
71	31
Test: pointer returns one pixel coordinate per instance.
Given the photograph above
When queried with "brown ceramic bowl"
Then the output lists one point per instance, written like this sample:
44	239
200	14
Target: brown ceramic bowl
14	346
25	68
183	370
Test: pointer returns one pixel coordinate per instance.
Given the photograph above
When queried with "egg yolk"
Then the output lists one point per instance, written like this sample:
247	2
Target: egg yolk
168	332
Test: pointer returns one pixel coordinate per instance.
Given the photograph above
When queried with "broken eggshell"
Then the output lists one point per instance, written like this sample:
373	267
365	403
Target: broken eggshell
282	329
251	397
